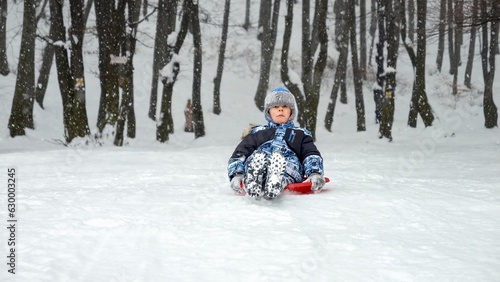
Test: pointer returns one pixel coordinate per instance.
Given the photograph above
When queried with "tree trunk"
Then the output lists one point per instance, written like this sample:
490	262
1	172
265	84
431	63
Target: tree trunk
387	111
198	123
220	63
472	45
378	94
373	28
127	114
107	34
362	38
44	74
442	30
342	44
70	70
411	20
164	26
4	65
488	51
451	28
419	103
246	25
312	97
269	27
358	84
21	116
47	60
166	123
458	19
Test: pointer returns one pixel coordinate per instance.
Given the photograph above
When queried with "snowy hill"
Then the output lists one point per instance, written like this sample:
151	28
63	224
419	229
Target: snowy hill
421	208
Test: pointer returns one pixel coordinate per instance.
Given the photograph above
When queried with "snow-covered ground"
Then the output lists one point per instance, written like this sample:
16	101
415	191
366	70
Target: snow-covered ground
425	207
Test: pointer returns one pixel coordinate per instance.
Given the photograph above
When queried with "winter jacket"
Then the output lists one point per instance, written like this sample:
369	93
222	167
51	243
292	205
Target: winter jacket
295	143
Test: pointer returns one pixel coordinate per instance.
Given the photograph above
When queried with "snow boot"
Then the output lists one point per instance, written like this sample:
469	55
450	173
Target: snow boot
256	170
275	176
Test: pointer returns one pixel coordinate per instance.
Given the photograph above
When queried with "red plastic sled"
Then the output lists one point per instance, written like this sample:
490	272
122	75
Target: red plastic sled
301	188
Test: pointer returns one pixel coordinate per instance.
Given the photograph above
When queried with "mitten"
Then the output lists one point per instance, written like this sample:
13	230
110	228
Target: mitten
317	181
236	183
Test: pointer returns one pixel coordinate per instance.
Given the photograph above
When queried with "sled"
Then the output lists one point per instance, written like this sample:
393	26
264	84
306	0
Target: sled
301	188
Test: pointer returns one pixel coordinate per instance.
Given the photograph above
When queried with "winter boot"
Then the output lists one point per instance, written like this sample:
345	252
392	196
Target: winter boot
256	170
275	175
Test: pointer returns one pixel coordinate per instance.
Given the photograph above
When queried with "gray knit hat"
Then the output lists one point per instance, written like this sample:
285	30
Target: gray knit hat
280	97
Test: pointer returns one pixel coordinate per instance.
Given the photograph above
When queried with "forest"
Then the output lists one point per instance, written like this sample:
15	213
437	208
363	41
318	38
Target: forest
366	37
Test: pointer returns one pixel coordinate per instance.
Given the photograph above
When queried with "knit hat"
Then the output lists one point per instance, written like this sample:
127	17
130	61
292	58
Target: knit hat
280	97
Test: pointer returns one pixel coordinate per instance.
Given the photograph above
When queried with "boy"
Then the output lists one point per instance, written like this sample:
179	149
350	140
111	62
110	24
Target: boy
274	155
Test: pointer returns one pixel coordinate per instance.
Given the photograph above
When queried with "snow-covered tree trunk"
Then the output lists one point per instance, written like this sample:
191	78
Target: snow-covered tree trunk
378	94
165	24
392	22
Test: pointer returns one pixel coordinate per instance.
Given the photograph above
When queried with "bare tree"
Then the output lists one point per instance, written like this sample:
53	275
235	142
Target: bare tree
358	83
190	21
220	63
21	116
198	122
48	58
378	94
419	103
164	26
472	43
4	65
490	29
393	10
441	37
268	25
70	70
458	20
109	36
342	45
362	38
127	114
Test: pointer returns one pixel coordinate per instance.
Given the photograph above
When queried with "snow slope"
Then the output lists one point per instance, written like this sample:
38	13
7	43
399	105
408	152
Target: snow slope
424	207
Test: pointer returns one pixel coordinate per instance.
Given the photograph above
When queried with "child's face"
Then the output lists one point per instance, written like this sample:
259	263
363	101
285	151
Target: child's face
280	114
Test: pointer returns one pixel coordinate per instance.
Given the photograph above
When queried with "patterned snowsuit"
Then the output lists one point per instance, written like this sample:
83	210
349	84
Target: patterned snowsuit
295	143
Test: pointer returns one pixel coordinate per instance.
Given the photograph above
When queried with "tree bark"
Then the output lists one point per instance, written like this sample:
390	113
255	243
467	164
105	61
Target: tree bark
387	111
378	94
4	65
362	38
342	44
419	103
220	63
441	37
269	26
21	116
472	44
126	115
488	52
198	123
165	25
358	84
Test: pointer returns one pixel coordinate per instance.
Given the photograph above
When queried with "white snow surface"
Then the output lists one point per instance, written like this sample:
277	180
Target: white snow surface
424	207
